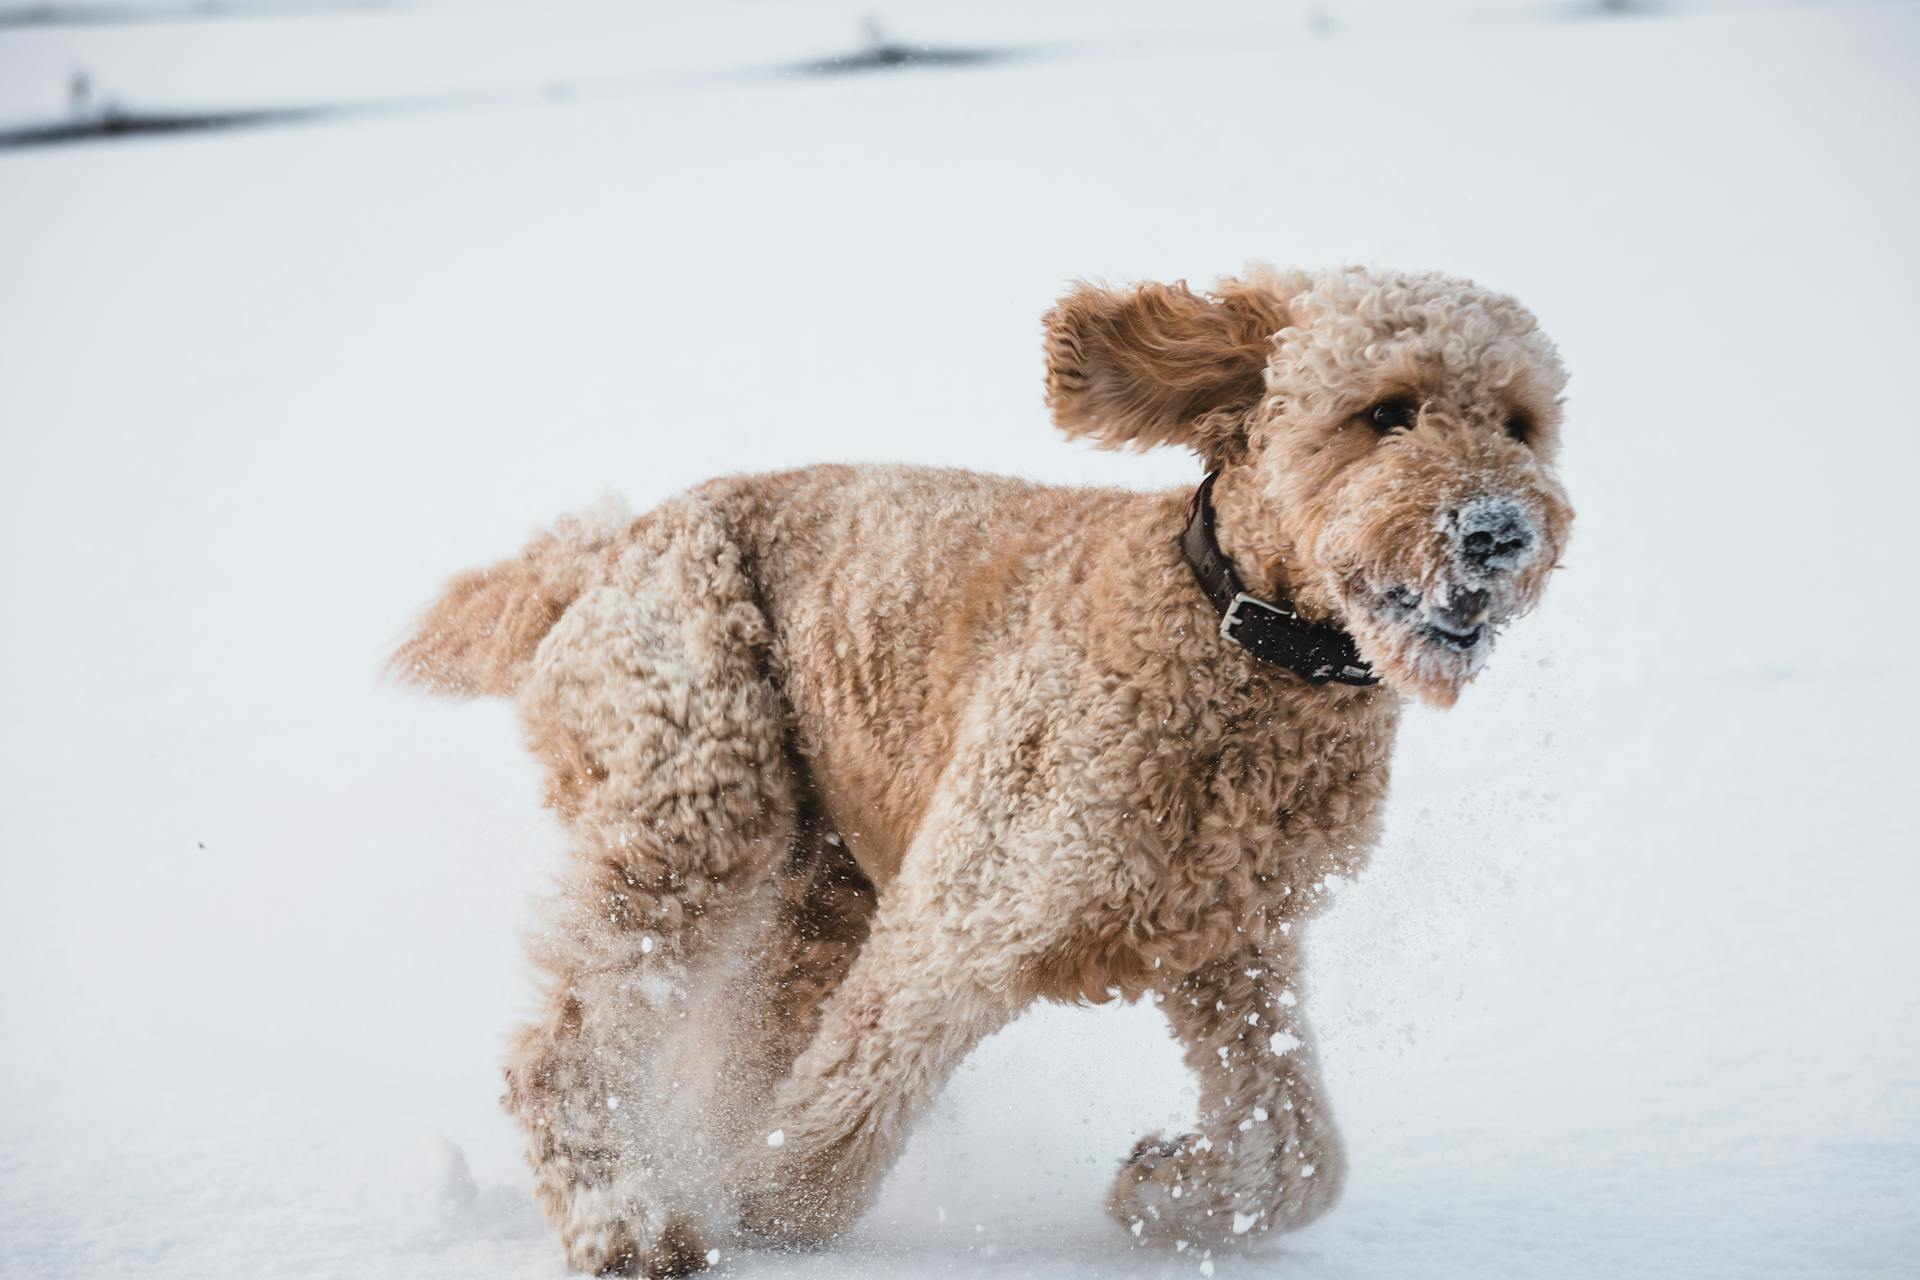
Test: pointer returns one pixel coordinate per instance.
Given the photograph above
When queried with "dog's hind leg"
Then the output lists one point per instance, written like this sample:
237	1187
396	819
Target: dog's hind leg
665	744
1267	1156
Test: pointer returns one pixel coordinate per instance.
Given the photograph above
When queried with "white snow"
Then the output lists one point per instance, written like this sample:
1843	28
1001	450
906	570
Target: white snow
1630	989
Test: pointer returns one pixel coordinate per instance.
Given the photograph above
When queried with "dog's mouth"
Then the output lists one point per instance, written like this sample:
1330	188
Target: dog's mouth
1457	620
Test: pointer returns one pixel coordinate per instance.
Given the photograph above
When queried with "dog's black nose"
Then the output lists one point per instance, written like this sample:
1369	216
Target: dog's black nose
1493	533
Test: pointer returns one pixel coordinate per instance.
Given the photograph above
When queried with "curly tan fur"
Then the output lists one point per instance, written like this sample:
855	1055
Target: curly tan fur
858	762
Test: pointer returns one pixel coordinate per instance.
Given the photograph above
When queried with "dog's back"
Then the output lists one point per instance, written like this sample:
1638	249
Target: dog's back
911	550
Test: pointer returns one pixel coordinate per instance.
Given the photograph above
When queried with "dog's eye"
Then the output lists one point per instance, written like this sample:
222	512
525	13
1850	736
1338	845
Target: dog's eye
1519	428
1390	415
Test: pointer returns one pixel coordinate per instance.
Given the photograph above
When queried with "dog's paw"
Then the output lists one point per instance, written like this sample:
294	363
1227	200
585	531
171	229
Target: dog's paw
795	1203
1146	1194
1152	1149
626	1248
1174	1190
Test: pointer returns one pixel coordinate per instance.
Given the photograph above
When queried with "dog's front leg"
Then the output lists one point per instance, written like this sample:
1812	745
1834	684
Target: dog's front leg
920	996
1267	1156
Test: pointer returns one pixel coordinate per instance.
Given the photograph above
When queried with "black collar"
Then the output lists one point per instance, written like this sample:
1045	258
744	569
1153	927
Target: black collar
1270	632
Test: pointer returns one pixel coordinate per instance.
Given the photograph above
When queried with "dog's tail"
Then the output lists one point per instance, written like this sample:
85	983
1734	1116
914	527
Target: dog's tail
479	637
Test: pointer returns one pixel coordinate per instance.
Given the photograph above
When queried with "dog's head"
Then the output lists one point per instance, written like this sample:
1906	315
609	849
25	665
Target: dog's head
1386	444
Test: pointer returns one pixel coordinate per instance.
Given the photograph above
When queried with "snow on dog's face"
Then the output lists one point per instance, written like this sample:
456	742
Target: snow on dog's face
1385	443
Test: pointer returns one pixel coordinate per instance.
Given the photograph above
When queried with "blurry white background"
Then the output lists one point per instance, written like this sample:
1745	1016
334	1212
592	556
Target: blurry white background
1631	986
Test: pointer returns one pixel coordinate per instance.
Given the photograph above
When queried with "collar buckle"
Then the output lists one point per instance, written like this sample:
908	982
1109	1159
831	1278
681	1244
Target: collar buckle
1231	620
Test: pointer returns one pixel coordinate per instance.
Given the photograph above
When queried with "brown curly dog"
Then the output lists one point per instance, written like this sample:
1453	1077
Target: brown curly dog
858	761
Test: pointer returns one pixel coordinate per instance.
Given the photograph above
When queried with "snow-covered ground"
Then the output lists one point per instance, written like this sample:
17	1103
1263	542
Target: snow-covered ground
1634	985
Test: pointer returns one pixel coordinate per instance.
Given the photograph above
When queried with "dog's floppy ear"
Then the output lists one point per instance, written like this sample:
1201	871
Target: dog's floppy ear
1160	364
